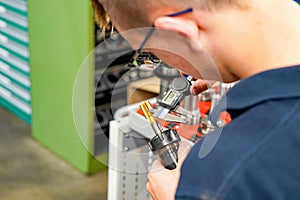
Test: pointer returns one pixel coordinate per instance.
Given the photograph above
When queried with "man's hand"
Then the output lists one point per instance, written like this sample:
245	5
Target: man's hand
200	85
162	183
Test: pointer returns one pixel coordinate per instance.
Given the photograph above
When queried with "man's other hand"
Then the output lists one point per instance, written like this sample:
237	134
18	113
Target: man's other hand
162	183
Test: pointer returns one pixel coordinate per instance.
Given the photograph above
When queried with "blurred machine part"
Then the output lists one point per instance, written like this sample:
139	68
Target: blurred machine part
165	143
111	83
130	161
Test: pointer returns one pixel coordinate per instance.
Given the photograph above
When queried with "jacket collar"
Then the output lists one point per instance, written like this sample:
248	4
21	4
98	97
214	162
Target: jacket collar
282	83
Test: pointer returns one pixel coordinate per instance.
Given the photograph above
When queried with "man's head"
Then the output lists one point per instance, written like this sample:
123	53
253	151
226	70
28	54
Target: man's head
228	30
122	12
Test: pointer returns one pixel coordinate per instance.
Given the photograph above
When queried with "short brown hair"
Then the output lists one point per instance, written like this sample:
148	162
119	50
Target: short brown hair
102	18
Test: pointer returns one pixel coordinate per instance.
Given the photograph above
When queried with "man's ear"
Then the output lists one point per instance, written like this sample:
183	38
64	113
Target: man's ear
181	25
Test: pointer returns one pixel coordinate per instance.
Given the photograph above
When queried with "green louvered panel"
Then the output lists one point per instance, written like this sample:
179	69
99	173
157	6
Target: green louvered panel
15	83
14	34
16	77
18	65
16	6
16	106
16	90
13	19
14	48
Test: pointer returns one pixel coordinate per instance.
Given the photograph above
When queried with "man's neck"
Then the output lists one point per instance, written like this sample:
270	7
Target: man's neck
279	39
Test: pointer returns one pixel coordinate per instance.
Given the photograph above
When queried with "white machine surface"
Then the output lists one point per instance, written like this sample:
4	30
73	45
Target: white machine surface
129	162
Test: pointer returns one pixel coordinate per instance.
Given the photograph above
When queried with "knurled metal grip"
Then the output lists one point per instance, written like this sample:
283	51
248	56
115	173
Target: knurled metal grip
166	148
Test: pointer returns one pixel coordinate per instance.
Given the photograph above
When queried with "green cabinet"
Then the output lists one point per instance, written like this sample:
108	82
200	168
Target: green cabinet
61	36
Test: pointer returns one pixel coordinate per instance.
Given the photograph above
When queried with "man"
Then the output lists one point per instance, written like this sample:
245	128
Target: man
257	42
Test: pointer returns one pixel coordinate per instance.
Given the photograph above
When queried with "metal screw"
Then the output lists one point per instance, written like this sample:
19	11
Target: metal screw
220	123
126	135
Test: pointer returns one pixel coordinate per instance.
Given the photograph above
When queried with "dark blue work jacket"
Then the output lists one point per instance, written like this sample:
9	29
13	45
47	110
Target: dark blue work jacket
258	154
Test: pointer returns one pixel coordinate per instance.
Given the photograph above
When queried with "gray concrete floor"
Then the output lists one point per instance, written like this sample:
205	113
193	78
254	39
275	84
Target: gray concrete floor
30	172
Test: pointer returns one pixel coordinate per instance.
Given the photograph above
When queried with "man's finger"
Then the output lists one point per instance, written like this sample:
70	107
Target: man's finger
183	151
148	187
150	190
200	85
156	166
